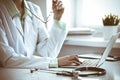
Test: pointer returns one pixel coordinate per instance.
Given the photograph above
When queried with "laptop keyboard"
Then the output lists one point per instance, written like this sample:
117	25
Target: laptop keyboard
85	63
89	63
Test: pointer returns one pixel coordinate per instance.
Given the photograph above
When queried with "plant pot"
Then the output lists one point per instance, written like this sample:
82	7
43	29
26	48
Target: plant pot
108	31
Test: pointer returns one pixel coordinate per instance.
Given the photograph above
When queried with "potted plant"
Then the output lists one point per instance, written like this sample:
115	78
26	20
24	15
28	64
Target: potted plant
110	22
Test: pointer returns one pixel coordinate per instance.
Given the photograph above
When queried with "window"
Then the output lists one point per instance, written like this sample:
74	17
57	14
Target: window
94	10
87	13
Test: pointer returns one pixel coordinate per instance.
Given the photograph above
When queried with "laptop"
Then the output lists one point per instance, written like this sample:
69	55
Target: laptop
108	49
98	62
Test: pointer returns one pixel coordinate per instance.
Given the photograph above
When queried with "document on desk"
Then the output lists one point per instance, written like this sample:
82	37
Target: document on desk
81	31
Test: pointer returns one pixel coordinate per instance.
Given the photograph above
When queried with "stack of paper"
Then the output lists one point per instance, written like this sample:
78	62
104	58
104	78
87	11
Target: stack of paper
81	31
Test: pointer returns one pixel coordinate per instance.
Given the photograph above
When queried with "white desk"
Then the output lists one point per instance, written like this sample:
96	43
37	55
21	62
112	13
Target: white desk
82	44
89	40
113	73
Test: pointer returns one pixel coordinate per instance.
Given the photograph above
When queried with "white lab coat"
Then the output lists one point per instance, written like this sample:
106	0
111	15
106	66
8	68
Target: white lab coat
17	47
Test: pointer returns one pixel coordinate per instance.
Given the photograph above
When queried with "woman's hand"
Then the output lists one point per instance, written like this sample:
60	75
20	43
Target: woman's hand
58	9
68	60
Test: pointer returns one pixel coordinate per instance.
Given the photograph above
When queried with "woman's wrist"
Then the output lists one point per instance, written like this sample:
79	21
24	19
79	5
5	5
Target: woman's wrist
57	18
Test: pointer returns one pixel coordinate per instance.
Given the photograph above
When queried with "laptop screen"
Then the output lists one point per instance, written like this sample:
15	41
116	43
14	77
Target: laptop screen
108	49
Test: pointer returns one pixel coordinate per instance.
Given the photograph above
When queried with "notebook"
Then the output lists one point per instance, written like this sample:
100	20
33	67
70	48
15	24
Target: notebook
99	62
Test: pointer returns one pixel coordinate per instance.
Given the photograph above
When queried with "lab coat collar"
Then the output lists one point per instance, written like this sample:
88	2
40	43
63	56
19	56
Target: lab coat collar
27	12
12	9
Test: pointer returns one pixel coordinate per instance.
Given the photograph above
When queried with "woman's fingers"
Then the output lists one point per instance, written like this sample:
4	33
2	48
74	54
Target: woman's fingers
76	58
69	60
74	62
57	5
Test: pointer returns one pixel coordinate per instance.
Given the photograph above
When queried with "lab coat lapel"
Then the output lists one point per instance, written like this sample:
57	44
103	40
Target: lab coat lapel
11	28
28	35
27	26
20	30
18	25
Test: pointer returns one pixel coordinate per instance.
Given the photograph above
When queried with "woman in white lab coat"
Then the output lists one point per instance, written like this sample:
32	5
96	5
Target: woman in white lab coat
23	35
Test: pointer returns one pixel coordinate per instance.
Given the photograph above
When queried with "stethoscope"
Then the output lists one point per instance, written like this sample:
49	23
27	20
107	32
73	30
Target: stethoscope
80	71
44	21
